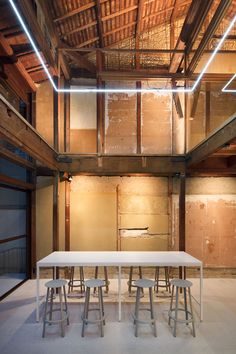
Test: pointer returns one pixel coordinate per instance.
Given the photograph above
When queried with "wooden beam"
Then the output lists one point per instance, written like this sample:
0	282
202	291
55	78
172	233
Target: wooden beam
231	161
197	12
215	21
75	12
19	67
119	13
182	213
81	61
100	110
195	102
67	216
138	117
207	109
15	129
138	31
33	257
7	154
9	181
121	165
215	141
67	119
32	22
99	23
47	11
55	116
79	29
55	232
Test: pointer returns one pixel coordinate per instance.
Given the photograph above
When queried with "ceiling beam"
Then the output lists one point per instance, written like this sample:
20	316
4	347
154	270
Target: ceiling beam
78	29
75	11
47	11
197	13
138	31
217	140
32	22
215	21
99	23
6	49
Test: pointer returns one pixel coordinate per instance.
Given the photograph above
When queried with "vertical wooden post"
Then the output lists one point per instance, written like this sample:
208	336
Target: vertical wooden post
32	109
55	241
182	213
67	216
138	86
207	108
118	237
170	191
67	119
100	106
55	117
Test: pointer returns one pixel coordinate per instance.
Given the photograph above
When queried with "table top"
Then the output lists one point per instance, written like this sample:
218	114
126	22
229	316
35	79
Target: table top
119	258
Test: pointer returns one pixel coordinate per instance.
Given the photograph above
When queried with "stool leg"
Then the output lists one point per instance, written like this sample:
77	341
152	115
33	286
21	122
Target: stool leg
191	309
95	276
66	306
185	306
176	309
85	316
168	274
166	278
157	277
106	279
137	311
61	311
45	313
152	311
130	279
140	276
81	272
171	303
103	308
100	309
51	303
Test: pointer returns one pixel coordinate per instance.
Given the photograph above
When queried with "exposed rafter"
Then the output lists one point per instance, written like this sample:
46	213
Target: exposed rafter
75	11
99	23
138	31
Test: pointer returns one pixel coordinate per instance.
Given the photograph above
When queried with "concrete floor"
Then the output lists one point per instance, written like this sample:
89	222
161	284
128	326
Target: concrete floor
20	334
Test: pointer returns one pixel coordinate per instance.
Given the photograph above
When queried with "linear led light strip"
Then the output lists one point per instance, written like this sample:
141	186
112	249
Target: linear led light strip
125	90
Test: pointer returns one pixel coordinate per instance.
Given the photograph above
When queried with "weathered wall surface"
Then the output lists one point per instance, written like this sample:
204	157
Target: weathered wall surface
101	206
44	111
156	113
120	123
210	220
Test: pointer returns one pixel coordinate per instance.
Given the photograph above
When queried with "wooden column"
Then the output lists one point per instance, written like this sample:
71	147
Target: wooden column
55	241
138	86
67	119
55	116
32	109
207	108
67	216
100	118
182	213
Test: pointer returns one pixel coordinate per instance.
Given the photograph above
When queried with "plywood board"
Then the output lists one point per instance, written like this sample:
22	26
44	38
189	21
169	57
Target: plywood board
93	221
83	141
143	204
157	243
44	111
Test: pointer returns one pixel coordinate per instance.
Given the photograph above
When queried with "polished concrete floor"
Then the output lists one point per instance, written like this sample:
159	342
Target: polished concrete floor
20	334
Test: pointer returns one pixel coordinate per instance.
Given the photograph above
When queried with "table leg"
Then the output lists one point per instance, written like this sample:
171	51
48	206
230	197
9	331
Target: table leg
37	293
119	292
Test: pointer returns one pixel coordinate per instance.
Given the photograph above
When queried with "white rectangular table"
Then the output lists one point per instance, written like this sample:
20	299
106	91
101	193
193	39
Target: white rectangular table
119	259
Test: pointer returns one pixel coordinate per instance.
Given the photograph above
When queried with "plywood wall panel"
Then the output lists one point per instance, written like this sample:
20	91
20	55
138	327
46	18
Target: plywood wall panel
83	141
44	111
155	223
157	243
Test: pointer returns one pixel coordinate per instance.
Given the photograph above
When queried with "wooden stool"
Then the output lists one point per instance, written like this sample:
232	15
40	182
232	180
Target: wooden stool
92	283
106	281
131	281
76	283
162	282
52	287
142	284
173	312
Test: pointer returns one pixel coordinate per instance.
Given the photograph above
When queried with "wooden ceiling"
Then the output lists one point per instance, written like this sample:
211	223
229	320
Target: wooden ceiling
85	37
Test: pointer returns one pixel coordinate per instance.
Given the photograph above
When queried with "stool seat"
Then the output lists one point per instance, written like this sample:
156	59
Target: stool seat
94	283
181	283
56	283
144	283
